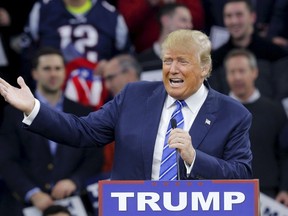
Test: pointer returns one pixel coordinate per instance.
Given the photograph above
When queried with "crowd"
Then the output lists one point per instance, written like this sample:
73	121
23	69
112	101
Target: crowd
77	55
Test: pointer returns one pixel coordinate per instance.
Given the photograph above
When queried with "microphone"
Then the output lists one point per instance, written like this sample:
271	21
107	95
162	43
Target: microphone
173	123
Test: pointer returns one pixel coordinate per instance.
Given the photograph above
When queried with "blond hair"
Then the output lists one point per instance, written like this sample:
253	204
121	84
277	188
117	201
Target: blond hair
185	40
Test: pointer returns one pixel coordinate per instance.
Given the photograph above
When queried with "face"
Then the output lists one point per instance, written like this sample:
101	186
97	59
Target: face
238	19
181	19
50	73
182	73
115	79
240	76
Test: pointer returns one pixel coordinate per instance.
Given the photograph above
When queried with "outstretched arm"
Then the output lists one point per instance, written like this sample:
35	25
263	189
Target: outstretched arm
21	98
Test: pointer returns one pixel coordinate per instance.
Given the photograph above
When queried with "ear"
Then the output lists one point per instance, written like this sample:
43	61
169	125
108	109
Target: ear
34	74
255	73
253	17
164	20
204	71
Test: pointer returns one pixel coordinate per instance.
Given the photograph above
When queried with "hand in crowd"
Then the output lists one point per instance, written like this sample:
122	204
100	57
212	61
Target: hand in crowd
4	17
282	197
41	200
63	188
181	140
21	98
280	41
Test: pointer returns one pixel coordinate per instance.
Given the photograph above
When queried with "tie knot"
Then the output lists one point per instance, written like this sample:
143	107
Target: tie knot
180	104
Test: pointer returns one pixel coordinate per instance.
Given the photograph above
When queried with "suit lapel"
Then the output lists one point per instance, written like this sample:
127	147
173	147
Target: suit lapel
153	111
205	119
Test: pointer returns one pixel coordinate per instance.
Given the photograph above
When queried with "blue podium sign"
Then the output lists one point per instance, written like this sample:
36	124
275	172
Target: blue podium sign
197	197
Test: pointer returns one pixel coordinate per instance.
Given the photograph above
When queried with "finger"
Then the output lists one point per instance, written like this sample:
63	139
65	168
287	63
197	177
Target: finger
21	82
4	83
177	138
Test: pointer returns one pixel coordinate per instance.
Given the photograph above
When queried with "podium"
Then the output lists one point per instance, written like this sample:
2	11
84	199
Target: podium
197	197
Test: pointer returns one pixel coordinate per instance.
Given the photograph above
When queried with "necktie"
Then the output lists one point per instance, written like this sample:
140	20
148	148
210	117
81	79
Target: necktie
168	167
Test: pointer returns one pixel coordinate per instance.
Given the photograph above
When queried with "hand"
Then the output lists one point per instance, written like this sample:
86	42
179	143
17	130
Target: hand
41	200
21	98
280	41
282	197
63	188
181	140
4	17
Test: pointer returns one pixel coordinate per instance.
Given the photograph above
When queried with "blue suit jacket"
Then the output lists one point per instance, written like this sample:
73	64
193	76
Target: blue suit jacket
132	119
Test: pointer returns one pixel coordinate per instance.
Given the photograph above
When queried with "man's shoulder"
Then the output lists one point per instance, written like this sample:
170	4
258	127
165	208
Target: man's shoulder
76	108
143	89
49	4
145	84
228	104
271	105
219	54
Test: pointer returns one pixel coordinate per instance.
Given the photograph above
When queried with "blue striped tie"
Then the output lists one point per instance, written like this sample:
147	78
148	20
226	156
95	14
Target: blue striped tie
168	167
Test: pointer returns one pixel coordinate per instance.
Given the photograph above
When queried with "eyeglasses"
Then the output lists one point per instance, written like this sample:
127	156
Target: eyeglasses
111	77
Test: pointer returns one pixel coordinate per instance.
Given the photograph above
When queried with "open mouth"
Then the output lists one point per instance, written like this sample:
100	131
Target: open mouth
176	82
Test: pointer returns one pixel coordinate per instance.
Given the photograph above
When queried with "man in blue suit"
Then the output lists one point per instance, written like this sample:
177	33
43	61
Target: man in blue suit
213	144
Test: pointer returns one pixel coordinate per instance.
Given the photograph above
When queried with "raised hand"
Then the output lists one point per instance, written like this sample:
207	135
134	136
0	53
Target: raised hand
21	98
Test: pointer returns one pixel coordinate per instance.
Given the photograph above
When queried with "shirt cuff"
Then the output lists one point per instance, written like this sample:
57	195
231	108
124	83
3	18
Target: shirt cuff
29	119
189	167
30	193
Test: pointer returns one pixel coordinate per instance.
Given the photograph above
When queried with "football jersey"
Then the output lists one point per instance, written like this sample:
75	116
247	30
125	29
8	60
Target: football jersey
100	33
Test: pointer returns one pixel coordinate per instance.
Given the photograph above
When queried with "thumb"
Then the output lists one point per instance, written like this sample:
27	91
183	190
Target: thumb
21	82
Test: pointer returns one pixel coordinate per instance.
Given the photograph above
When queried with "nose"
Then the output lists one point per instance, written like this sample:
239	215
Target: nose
174	67
233	20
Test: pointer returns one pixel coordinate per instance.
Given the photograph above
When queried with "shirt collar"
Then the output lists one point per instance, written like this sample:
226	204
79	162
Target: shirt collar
40	97
194	101
255	96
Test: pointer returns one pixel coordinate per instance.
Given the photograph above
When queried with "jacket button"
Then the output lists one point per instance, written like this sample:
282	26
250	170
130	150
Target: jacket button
50	166
47	186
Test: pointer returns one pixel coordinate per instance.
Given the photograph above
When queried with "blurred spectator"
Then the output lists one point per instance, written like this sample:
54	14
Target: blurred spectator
278	30
171	17
239	19
213	11
141	18
36	174
56	210
119	71
270	158
93	30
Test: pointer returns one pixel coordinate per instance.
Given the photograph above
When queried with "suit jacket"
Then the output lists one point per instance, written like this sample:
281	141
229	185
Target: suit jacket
26	161
219	133
269	155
